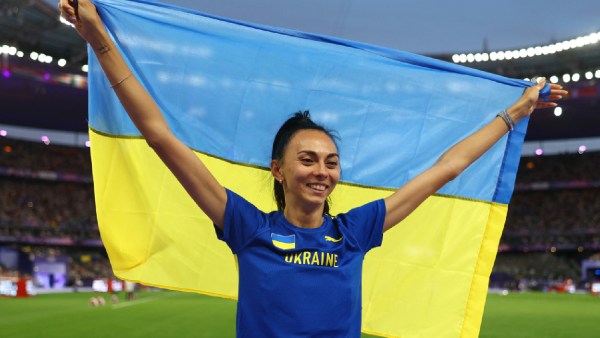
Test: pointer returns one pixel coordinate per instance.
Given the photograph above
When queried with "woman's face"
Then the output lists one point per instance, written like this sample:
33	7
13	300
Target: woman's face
310	169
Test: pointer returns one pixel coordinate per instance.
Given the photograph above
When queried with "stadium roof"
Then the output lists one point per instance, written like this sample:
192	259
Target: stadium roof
33	25
37	95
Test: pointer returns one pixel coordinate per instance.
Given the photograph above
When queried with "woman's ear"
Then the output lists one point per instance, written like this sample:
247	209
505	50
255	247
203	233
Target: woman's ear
276	170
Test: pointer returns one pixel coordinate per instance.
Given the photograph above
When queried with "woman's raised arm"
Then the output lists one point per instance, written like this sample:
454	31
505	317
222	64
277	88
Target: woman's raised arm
454	161
145	114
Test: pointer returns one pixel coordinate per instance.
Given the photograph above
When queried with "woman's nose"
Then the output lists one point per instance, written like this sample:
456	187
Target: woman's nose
321	170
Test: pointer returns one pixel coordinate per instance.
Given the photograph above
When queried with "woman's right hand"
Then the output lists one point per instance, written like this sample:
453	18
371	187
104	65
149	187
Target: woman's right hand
85	18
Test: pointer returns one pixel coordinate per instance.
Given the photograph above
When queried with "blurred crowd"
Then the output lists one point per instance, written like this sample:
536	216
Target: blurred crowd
557	218
56	205
534	271
35	207
556	205
39	156
560	168
6	273
546	216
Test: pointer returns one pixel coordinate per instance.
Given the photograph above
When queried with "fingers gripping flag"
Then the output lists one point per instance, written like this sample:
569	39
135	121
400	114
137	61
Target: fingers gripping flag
225	87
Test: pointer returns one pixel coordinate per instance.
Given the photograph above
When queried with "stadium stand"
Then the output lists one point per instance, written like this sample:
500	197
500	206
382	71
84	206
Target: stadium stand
47	210
38	156
552	223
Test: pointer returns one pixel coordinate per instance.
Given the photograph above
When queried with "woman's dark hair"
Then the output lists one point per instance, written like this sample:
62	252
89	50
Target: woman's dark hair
299	121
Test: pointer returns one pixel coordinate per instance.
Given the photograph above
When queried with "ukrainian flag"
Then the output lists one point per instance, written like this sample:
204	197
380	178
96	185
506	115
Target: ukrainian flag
284	242
225	87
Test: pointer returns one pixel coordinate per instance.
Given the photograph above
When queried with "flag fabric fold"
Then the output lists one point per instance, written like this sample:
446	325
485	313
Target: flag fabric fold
225	87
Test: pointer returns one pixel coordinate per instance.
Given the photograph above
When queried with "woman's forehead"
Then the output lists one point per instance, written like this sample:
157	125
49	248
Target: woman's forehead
312	140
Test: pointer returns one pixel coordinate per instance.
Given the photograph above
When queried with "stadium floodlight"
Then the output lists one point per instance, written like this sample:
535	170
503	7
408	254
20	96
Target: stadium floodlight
558	111
3	133
516	54
545	50
62	62
84	68
560	46
539	152
566	78
20	54
597	74
523	53
45	139
582	148
478	57
34	56
589	75
554	79
88	143
12	50
530	51
575	77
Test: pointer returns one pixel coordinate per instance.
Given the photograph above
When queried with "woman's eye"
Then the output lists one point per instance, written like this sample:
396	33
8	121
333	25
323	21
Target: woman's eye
306	160
332	164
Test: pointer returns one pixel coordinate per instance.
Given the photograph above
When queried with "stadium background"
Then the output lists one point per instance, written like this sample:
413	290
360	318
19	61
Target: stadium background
48	230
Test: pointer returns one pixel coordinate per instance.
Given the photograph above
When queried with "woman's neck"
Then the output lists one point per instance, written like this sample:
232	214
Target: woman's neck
301	218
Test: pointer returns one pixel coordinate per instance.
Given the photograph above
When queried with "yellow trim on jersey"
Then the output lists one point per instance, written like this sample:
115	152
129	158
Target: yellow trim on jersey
331	239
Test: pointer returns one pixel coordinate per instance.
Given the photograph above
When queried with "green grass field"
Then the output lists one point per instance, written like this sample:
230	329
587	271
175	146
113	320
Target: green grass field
174	314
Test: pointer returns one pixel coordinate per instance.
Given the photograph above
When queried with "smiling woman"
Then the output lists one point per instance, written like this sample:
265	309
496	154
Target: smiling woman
301	248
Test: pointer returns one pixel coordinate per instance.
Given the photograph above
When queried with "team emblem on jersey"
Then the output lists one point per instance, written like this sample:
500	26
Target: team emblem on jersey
331	239
284	242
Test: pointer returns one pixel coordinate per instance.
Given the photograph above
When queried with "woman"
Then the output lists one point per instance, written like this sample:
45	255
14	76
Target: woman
300	269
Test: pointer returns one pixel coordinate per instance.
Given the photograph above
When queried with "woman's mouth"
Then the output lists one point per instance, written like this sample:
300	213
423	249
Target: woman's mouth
317	186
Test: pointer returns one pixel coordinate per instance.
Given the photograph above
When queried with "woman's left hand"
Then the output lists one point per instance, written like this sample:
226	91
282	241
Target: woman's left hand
530	100
556	93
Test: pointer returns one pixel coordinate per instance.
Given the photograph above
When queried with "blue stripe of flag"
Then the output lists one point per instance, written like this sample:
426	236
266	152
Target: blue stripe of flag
283	239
